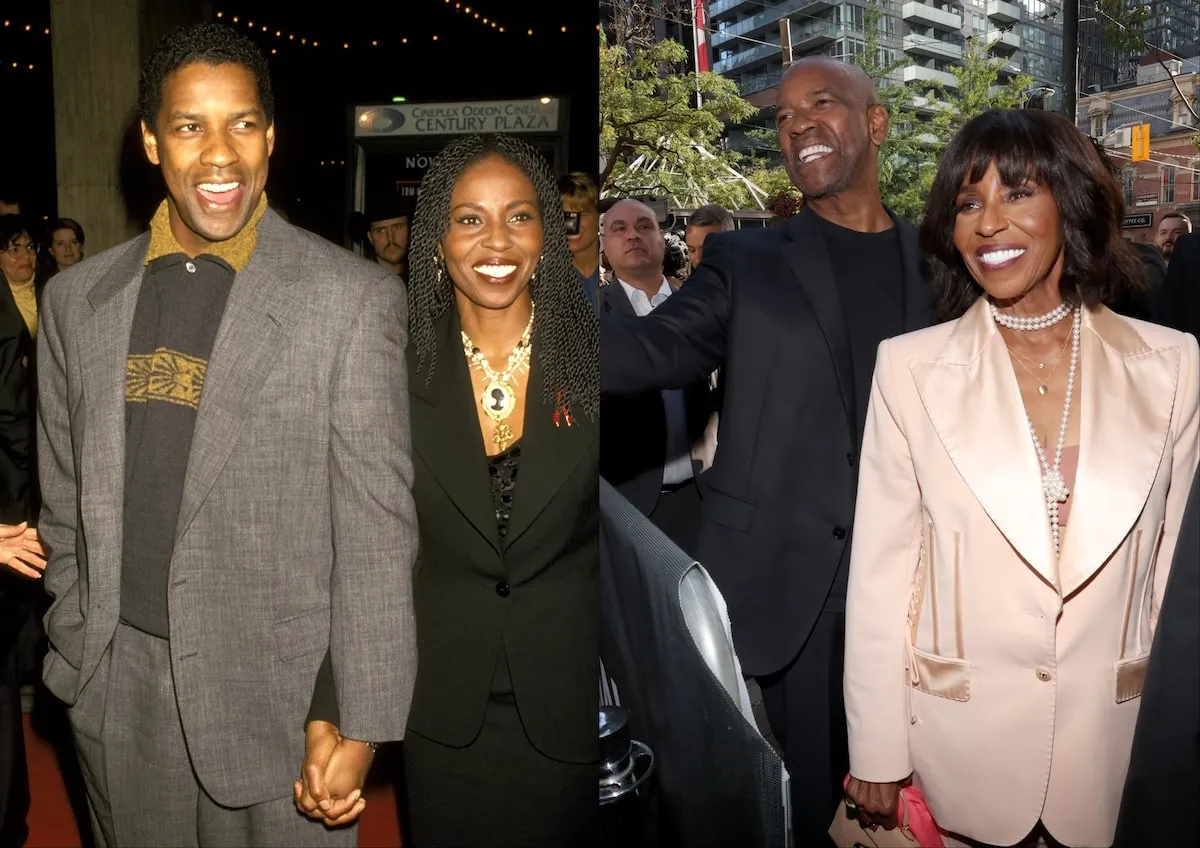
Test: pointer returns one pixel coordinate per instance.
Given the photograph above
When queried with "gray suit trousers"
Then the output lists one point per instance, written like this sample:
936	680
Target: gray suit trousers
141	788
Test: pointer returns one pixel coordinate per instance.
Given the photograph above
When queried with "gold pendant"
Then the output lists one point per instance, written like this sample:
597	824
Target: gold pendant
1042	389
498	400
502	435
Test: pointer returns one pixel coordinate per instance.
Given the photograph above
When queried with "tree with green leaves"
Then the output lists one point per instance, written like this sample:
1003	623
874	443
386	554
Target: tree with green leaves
661	122
925	116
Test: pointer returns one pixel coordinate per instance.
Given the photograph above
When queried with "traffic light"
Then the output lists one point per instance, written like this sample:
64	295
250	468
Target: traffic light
1140	143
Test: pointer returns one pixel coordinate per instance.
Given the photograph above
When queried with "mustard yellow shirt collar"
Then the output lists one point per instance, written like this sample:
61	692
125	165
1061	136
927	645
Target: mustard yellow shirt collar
236	251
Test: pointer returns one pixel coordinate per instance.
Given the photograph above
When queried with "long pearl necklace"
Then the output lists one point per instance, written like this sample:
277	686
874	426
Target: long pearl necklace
1036	322
499	396
1054	487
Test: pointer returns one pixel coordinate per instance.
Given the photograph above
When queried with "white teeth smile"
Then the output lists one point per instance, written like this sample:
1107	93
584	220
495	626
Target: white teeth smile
218	188
999	257
497	271
813	151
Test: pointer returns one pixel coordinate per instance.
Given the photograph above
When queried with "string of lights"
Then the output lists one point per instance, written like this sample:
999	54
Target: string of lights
30	28
304	41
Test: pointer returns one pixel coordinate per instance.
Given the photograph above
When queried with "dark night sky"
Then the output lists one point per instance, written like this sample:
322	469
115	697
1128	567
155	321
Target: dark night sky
315	86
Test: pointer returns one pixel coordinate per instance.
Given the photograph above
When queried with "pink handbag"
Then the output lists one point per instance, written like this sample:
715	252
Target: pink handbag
917	828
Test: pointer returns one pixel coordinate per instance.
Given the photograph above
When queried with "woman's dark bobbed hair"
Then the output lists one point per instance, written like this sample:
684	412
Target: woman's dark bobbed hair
1032	145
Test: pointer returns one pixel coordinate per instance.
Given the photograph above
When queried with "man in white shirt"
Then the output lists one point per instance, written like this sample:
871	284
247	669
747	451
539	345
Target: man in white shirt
648	441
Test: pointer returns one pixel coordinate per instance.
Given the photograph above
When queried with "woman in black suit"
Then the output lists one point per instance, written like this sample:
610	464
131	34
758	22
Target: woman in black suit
501	748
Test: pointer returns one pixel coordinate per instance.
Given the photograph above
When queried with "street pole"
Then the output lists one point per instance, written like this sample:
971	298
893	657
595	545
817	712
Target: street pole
1070	58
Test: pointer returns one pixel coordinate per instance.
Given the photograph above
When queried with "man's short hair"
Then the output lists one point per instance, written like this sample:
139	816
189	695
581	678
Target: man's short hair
712	215
581	188
1187	222
207	44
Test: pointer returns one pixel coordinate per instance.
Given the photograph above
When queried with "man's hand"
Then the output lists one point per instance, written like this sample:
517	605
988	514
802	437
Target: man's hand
332	777
876	803
21	550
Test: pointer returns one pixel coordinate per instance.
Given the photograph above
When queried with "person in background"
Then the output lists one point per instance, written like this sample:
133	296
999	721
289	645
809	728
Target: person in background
9	205
387	223
64	243
22	558
707	219
1014	535
580	199
1170	227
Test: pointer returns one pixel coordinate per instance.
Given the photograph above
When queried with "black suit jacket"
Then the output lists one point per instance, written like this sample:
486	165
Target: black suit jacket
779	498
633	428
1179	299
537	592
1163	785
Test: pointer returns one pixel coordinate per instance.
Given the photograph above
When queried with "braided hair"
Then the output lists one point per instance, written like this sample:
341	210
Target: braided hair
566	333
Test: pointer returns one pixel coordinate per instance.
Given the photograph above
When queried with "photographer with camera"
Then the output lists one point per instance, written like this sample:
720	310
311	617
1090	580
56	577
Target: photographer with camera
581	202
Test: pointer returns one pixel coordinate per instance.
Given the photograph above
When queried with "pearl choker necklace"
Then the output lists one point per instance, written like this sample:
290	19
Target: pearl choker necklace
1036	322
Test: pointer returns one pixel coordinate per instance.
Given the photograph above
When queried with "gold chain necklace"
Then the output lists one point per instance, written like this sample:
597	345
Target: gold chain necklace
1043	385
499	397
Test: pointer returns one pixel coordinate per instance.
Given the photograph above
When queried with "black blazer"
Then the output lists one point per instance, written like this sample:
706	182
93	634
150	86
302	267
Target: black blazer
1163	783
538	592
1179	299
633	428
779	498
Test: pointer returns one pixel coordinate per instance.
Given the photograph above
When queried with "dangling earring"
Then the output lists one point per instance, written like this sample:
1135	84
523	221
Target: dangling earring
437	267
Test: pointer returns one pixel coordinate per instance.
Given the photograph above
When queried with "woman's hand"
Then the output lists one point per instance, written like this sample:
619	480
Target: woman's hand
21	550
875	803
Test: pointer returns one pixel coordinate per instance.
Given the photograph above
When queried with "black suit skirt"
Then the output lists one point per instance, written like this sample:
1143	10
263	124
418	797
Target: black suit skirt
499	791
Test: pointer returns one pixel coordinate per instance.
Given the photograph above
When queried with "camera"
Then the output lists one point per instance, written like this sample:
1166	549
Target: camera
572	223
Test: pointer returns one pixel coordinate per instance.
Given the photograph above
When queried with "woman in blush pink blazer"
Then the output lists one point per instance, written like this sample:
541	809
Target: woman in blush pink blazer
1023	478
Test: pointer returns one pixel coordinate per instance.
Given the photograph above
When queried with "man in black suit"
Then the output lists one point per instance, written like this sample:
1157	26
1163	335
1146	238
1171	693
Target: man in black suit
793	314
1162	788
647	439
1179	299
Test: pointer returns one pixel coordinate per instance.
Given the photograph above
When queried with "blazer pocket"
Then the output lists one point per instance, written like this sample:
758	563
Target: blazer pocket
1130	677
302	635
727	510
943	677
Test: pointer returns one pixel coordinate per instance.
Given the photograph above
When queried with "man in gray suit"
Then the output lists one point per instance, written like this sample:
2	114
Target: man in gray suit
224	451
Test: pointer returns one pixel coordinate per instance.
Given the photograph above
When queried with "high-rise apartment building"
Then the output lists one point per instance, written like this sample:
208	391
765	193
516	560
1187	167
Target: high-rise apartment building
1025	35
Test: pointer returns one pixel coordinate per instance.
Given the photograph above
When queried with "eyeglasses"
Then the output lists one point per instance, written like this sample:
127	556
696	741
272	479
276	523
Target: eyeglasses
18	249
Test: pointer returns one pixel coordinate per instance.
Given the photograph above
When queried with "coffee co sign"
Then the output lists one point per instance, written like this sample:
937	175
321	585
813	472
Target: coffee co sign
429	119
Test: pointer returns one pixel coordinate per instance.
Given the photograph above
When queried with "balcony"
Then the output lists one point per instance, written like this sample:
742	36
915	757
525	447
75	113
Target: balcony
934	48
918	74
1003	13
754	83
1003	43
926	15
750	59
767	19
717	7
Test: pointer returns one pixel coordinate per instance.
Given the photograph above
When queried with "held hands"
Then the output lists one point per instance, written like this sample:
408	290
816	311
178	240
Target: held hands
21	550
335	769
875	803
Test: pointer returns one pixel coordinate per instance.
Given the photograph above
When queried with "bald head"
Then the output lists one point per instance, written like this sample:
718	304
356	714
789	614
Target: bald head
854	80
633	243
831	126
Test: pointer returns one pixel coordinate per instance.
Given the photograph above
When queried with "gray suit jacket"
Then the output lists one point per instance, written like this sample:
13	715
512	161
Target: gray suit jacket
297	530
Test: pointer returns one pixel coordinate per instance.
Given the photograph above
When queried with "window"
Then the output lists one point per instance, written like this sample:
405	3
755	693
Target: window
1099	126
1127	177
1195	166
1168	185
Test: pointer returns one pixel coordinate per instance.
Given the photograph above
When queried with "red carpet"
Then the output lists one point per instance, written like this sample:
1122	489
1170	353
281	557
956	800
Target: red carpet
52	824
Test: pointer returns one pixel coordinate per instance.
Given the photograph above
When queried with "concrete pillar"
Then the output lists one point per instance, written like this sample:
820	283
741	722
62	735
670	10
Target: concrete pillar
97	48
